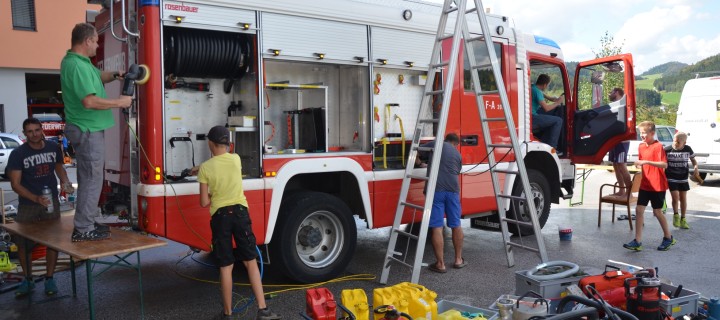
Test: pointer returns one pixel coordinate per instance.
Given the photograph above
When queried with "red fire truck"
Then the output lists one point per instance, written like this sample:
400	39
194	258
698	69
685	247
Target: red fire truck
321	98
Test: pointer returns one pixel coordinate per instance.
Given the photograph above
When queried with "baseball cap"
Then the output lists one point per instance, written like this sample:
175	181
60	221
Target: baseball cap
219	135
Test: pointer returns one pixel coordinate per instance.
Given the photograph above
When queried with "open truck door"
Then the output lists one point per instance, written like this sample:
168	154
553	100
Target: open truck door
599	124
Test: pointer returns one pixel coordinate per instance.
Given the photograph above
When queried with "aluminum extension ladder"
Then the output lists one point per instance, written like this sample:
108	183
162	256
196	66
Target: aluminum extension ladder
516	167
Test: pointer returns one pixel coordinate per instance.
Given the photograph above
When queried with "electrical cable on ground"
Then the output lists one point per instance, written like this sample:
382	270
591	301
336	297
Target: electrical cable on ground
289	287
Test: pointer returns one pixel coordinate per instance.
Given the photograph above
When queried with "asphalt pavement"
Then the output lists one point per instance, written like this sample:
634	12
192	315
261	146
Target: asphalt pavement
177	286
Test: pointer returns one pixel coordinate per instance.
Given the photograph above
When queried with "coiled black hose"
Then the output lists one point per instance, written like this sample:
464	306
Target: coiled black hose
206	54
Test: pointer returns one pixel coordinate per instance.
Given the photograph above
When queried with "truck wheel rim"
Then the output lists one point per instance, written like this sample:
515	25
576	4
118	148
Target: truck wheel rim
539	199
319	239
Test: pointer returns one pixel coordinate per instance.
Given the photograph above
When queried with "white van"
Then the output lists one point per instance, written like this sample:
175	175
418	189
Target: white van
699	116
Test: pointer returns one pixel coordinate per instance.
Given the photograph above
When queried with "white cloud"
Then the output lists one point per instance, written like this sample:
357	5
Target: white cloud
643	32
576	51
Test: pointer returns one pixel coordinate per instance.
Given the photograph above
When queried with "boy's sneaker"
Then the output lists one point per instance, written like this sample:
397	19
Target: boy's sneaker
667	243
684	224
676	220
266	314
26	286
633	245
50	287
93	235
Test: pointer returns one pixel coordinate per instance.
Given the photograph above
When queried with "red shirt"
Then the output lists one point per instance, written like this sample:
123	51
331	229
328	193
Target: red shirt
653	178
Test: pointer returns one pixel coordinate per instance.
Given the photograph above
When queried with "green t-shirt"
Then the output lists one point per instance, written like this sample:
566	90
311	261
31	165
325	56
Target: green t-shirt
80	78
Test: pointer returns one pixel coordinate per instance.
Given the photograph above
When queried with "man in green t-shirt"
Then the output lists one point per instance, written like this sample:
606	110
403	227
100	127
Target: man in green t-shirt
88	114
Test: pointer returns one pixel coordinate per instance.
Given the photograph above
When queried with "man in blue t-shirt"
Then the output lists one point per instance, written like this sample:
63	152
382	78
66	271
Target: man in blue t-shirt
446	204
549	125
31	167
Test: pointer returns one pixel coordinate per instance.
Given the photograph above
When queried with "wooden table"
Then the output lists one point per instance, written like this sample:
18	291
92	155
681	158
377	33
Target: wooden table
55	234
582	172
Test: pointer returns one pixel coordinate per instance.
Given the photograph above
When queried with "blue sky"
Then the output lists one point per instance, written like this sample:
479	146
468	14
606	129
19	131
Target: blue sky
654	31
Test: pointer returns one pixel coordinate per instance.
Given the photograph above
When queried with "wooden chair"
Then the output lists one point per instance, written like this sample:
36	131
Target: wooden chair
627	200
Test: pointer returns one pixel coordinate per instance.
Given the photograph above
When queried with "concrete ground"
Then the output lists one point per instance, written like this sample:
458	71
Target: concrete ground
177	288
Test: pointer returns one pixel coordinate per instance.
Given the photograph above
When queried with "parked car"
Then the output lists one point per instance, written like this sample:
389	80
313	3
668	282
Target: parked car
664	134
8	143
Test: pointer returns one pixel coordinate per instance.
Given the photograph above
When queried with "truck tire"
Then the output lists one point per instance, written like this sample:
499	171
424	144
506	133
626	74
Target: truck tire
315	237
540	189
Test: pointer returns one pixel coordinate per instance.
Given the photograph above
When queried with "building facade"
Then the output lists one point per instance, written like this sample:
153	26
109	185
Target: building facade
35	35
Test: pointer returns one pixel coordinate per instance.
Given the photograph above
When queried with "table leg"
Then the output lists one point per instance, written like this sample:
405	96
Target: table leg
582	178
142	303
72	276
88	267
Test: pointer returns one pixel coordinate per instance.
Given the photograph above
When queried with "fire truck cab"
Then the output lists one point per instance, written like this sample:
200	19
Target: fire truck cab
321	99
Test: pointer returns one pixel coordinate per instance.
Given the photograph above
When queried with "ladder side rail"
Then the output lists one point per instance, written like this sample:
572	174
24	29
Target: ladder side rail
511	129
425	108
470	51
440	136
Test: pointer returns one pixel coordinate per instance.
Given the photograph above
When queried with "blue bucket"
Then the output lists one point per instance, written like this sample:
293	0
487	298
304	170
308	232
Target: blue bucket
565	234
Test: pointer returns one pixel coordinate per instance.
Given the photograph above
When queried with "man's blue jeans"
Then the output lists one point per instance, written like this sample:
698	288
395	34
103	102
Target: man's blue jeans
550	127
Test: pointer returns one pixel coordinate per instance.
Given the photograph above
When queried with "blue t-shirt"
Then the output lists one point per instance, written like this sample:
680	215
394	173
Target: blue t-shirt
449	170
37	166
537	97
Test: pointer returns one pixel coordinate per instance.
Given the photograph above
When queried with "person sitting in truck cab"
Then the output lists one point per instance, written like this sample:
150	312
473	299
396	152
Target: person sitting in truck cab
549	125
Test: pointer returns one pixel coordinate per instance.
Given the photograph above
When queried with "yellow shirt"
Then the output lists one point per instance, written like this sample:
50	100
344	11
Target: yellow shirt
223	175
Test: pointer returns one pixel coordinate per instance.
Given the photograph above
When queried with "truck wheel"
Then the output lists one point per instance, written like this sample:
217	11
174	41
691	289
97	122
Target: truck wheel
315	237
540	189
703	175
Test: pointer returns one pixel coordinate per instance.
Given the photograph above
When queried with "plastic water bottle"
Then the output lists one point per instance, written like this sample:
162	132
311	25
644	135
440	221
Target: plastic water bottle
71	200
47	194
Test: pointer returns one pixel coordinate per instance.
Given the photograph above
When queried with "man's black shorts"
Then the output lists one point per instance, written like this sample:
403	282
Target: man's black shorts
655	198
679	186
228	223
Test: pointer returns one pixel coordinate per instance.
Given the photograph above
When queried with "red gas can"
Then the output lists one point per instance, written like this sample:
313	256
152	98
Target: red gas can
320	304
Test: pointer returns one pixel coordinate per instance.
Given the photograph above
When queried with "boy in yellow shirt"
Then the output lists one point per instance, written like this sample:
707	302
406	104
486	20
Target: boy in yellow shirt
222	174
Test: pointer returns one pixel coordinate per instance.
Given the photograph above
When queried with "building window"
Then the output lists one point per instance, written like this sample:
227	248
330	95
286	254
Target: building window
23	14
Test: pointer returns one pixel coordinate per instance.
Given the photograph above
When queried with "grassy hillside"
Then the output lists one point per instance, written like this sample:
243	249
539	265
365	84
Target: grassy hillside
670	98
647	81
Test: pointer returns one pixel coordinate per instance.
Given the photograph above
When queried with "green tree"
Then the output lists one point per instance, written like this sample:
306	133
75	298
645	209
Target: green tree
612	80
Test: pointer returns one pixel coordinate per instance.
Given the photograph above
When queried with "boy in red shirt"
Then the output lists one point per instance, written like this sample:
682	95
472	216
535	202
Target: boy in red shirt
653	161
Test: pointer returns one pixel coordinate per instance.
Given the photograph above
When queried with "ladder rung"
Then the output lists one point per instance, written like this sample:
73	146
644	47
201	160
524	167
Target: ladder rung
523	246
445	37
429	120
412	176
483	93
412	205
506	171
440	65
425	149
470	10
499	145
524	223
482	66
479	38
431	93
407	234
511	197
451	10
493	119
400	261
